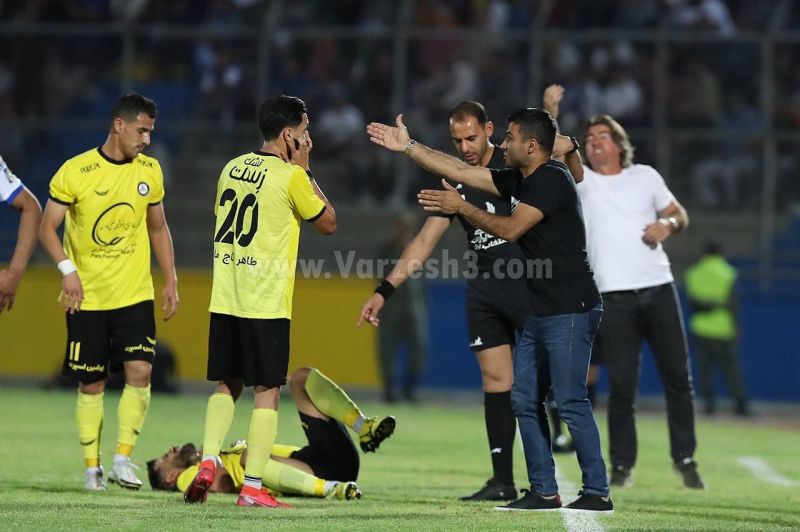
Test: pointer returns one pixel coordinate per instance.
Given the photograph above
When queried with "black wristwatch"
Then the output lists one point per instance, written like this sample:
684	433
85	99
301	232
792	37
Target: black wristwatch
575	145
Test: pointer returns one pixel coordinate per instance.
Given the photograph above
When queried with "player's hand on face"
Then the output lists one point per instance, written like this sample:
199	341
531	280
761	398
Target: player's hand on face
393	138
370	310
9	281
71	293
447	201
552	97
655	233
170	296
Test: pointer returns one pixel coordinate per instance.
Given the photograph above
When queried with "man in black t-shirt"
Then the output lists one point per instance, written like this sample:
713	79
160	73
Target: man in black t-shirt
496	301
565	306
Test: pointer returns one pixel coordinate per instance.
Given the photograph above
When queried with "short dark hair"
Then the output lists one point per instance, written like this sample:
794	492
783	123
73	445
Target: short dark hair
280	112
466	109
535	123
129	106
156	481
618	134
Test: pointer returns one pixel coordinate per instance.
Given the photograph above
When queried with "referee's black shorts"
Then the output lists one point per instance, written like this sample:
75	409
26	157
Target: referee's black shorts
496	310
253	350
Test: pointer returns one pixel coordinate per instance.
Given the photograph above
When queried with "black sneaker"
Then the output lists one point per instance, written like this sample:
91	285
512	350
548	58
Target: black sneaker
688	472
493	490
621	476
587	502
531	502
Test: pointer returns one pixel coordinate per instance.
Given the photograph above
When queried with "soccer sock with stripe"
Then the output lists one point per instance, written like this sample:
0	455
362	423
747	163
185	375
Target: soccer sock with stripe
501	427
260	437
282	477
332	400
89	417
219	416
132	410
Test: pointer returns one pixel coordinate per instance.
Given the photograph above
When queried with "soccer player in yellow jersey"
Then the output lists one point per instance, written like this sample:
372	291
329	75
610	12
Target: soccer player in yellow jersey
111	198
262	199
326	467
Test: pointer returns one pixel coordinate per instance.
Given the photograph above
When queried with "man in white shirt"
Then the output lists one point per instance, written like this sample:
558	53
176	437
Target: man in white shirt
14	193
629	211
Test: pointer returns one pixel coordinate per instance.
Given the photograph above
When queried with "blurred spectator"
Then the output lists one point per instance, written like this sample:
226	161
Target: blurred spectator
700	15
696	94
710	284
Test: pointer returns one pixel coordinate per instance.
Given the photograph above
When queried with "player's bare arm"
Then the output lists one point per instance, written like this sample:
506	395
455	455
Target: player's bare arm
397	139
29	220
671	219
300	155
71	288
510	228
413	257
161	240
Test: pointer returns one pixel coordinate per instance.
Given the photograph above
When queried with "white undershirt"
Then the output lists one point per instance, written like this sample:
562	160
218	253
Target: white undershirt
616	209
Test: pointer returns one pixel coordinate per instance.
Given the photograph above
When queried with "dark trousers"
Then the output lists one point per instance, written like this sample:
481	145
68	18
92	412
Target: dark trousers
721	354
632	316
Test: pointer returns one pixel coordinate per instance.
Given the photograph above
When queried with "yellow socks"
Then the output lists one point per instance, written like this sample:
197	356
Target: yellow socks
89	417
332	400
260	437
132	410
284	451
219	416
284	478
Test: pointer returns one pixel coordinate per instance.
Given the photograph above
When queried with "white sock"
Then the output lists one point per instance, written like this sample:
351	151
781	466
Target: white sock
93	470
252	482
121	459
329	485
211	457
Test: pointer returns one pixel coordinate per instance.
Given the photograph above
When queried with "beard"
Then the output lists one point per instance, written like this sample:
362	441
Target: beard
187	456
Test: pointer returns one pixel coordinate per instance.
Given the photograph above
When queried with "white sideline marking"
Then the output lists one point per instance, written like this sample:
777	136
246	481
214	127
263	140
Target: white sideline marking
762	470
575	521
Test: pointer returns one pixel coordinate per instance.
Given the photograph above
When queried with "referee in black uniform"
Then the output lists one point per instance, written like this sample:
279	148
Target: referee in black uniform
496	299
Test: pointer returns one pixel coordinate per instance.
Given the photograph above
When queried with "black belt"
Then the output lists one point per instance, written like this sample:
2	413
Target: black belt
637	291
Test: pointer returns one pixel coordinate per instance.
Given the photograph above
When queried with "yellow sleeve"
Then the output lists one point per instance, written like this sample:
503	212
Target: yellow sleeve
60	187
302	197
156	195
185	478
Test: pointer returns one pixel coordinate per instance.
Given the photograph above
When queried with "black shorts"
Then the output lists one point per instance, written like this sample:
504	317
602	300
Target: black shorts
99	341
330	452
496	309
253	350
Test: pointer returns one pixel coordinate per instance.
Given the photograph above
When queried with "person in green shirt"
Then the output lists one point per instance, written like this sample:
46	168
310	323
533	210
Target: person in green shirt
711	287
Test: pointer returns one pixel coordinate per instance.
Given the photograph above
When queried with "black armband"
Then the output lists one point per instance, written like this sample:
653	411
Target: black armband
386	289
310	175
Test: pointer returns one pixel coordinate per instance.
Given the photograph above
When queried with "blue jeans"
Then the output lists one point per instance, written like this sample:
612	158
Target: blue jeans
555	350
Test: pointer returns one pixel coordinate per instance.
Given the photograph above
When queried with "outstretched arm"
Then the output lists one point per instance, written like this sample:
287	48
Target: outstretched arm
29	219
398	139
509	228
413	257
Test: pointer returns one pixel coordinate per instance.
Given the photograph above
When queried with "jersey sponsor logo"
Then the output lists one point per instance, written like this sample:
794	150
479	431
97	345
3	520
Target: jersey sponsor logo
490	207
147	164
248	175
90	168
143	188
101	192
114	224
481	240
477	342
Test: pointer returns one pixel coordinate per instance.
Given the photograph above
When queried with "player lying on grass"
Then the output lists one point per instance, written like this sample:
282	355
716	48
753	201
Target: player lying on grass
326	467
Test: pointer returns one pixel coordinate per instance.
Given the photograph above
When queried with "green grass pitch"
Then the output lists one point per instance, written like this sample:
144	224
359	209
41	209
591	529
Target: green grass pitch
438	453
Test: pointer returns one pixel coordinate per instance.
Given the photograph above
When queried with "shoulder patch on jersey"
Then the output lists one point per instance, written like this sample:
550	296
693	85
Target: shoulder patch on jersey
143	188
